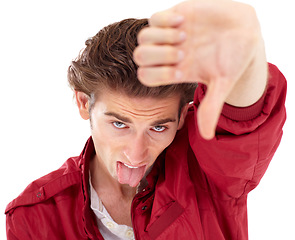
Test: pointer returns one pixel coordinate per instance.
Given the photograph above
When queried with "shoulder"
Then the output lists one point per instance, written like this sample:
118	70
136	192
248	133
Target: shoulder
48	186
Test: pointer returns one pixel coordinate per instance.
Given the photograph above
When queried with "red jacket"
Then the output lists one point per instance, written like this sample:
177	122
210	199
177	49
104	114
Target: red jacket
197	189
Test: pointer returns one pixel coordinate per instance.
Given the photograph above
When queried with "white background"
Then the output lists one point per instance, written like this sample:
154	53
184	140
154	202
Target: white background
40	126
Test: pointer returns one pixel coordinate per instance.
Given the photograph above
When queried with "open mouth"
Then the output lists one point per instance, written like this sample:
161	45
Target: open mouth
131	175
129	166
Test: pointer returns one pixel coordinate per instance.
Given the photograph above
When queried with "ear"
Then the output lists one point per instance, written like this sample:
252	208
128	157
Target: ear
83	104
182	116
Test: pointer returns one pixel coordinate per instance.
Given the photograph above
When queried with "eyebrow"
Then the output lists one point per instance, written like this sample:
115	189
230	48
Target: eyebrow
118	116
127	120
163	121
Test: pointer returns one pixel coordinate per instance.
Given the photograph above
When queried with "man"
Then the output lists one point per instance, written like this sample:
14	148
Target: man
156	166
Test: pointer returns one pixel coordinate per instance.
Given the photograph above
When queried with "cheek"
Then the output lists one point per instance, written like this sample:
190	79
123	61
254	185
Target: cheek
105	144
103	132
163	141
107	153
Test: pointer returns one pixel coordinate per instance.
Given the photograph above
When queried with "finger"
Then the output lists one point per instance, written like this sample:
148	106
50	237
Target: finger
156	76
166	19
151	55
210	109
155	35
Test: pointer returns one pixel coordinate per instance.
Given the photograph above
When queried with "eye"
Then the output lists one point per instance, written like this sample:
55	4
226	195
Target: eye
119	125
159	128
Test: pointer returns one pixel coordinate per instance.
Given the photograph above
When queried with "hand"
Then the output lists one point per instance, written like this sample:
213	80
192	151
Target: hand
214	42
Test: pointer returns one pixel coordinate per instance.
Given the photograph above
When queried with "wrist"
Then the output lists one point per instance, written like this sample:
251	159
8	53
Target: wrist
252	84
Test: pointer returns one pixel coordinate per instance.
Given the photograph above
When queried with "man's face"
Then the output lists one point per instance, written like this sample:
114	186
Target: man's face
130	133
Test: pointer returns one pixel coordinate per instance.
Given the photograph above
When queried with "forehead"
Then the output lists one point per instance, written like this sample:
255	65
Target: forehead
138	107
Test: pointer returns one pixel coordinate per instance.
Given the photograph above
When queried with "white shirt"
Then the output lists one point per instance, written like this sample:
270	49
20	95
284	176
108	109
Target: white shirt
108	228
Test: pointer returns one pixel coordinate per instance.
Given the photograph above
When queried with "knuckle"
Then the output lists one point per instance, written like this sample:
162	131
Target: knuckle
154	19
174	36
159	19
171	55
170	36
167	74
156	76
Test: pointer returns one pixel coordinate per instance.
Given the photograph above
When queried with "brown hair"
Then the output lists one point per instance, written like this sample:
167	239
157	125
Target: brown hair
107	62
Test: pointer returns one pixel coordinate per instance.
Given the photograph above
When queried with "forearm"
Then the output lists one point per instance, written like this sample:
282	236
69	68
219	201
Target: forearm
252	83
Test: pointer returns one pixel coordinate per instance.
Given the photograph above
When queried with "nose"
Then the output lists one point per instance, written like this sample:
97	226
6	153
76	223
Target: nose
136	150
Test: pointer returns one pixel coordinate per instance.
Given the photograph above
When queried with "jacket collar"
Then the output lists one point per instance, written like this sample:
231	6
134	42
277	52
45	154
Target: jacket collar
88	215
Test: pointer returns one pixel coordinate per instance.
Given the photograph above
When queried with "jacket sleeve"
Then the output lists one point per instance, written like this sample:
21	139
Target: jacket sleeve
245	141
14	232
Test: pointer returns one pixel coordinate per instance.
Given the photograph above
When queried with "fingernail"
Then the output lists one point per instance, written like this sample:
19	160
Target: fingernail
180	55
182	36
178	19
178	75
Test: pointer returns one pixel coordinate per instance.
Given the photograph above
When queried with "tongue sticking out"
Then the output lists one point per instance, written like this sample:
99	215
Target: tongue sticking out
130	176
